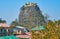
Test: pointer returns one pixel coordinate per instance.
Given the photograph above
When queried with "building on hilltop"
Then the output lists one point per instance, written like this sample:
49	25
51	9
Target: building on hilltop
29	4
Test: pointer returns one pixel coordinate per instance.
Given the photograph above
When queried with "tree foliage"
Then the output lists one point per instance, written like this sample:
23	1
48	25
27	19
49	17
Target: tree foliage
2	21
14	23
51	31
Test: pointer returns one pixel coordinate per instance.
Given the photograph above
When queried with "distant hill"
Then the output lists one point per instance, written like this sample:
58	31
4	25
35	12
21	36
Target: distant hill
31	15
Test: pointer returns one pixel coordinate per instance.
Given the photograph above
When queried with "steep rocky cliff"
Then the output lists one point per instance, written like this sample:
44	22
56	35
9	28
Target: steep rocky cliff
31	15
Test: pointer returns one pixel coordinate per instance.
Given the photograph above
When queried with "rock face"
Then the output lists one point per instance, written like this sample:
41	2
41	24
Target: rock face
30	15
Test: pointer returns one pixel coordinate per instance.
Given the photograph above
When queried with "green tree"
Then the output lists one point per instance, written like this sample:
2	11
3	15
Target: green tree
58	22
2	21
14	23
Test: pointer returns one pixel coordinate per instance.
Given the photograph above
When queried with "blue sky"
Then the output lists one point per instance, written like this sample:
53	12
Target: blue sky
9	9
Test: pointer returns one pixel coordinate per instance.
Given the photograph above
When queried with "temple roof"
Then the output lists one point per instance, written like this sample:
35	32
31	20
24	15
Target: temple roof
30	4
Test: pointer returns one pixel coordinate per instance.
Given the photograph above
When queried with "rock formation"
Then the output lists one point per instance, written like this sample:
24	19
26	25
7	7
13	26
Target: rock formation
30	15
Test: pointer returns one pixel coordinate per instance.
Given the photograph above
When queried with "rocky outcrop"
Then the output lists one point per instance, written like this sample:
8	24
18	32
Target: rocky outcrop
30	15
